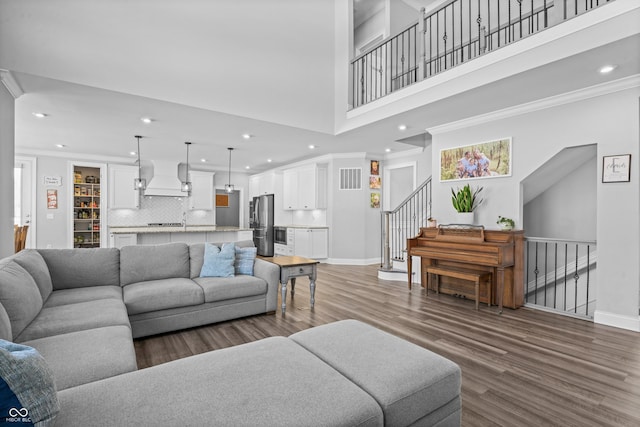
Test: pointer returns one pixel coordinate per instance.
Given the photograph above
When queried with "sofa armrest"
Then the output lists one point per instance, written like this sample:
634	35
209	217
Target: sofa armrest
270	273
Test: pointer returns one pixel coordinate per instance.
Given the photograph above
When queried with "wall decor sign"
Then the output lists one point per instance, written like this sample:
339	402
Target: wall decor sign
490	159
52	180
616	168
52	199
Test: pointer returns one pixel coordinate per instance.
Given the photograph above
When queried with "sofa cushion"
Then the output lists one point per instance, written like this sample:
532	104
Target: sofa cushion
91	293
19	295
27	387
78	268
408	381
84	356
5	325
271	382
224	288
32	261
196	254
245	257
155	295
75	317
218	262
140	263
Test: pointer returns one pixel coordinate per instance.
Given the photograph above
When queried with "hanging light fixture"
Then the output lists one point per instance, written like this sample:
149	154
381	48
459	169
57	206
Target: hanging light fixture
139	183
186	184
229	187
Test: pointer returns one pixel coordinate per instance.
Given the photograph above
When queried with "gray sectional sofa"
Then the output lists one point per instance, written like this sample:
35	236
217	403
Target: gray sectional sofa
81	309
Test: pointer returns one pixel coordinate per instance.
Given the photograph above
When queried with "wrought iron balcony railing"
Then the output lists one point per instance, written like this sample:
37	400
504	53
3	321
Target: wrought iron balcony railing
457	32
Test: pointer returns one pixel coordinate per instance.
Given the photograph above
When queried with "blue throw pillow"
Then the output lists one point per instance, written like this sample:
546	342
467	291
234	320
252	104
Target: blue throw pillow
218	262
244	260
27	389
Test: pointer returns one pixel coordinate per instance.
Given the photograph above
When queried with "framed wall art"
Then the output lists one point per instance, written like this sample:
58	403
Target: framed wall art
490	159
616	168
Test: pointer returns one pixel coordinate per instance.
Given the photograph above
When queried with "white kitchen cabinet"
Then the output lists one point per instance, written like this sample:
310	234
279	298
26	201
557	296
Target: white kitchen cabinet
311	243
120	240
202	191
305	187
261	184
122	194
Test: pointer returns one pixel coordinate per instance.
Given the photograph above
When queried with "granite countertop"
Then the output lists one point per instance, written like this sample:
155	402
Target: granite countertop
173	229
303	226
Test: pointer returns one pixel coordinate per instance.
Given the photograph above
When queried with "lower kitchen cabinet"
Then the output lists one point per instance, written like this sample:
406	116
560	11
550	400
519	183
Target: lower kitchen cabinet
311	242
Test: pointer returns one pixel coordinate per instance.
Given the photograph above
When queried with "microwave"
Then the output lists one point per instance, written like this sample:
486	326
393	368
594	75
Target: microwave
280	235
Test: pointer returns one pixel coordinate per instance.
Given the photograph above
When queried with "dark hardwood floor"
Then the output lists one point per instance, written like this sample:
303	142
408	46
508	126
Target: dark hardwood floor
522	368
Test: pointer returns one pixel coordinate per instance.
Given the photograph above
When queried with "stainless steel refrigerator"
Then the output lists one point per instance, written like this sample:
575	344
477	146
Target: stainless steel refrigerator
261	221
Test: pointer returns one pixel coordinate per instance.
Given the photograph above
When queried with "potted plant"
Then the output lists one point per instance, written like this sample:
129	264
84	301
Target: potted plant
465	201
505	223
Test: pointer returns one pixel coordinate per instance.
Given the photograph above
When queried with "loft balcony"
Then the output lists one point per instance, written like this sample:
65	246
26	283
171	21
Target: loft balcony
449	35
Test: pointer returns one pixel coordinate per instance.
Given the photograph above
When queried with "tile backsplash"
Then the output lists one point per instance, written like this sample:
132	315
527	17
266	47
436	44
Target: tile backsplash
159	209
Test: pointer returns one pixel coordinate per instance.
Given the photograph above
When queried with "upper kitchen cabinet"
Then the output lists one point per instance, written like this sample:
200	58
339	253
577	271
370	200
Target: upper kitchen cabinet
122	194
203	191
305	187
264	183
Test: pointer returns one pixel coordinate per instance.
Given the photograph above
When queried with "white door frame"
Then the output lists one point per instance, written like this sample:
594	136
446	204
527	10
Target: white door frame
104	208
386	181
31	220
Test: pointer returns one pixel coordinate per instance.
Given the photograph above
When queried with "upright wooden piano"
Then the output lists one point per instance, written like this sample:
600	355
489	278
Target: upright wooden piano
476	249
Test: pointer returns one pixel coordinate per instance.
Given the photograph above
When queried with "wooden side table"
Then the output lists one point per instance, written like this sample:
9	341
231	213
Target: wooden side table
292	267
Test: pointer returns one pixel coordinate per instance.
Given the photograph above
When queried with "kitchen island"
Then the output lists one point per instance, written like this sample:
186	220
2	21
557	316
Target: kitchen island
156	234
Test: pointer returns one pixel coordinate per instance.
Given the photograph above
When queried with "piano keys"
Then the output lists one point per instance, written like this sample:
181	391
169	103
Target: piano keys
473	248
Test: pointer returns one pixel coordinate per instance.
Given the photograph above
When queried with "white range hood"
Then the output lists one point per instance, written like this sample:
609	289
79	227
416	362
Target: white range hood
165	181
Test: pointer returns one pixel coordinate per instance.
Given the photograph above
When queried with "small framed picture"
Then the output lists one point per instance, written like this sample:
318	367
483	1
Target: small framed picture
375	167
616	168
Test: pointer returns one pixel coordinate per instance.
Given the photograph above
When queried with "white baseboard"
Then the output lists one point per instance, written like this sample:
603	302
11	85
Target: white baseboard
611	319
350	261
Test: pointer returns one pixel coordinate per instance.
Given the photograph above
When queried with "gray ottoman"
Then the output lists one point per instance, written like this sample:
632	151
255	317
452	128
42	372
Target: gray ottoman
412	385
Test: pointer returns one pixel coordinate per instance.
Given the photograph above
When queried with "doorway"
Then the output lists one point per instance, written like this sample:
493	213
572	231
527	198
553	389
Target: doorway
228	214
398	182
24	171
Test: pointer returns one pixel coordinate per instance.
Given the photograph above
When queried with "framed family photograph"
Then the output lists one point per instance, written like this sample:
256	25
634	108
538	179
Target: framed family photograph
616	168
490	159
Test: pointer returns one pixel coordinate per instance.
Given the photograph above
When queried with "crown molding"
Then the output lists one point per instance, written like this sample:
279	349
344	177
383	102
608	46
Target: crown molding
542	104
11	84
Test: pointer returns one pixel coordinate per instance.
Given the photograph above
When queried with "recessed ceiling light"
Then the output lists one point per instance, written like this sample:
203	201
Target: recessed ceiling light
311	147
247	135
388	150
40	115
606	69
146	120
203	160
269	160
60	145
247	167
402	127
133	153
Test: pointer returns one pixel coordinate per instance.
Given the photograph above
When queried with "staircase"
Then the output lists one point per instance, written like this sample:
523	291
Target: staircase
400	224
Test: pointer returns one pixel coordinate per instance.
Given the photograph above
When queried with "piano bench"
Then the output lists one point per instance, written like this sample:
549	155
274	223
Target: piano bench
477	277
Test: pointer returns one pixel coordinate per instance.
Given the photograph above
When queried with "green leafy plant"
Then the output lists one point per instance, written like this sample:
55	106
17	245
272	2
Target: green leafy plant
505	222
466	200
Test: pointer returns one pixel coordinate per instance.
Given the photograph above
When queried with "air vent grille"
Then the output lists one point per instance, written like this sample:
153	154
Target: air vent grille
350	178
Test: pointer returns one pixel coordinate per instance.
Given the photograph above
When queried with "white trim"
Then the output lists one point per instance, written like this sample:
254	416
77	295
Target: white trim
542	104
616	320
104	200
352	261
33	222
11	84
386	180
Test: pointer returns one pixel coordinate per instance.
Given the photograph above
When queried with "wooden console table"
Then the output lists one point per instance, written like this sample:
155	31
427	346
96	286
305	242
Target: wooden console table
292	267
498	252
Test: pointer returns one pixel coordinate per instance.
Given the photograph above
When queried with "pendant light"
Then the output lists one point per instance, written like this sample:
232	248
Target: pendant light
139	183
186	184
229	187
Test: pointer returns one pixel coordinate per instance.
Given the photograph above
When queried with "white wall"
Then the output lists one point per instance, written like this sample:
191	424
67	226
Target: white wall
7	135
553	213
612	122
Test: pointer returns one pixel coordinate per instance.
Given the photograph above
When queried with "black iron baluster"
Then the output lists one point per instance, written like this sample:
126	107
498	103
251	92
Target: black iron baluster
535	272
566	271
586	308
545	272
576	276
555	275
